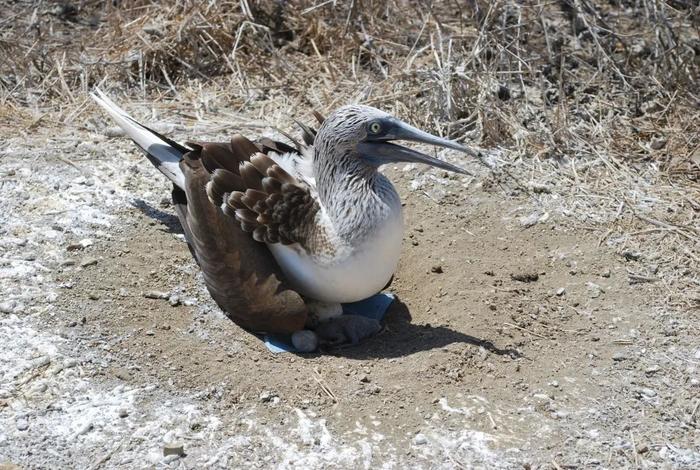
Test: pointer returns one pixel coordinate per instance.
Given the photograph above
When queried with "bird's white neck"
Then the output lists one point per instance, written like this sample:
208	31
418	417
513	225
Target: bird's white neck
359	204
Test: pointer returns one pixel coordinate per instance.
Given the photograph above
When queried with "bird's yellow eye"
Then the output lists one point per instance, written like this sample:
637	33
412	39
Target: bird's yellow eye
375	128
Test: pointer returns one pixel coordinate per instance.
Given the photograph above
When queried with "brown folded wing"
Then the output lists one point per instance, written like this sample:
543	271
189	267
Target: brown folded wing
240	273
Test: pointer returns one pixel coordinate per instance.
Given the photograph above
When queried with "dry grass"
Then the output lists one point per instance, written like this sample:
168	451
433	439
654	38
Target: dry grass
600	97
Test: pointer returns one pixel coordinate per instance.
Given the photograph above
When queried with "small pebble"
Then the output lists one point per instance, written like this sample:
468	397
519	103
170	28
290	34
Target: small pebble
266	396
154	294
436	269
420	439
305	341
364	379
619	356
123	413
69	363
174	448
88	262
174	300
560	291
658	143
22	424
594	290
8	306
530	220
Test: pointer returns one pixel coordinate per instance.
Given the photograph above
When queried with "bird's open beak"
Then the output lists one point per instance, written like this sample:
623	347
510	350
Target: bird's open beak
378	151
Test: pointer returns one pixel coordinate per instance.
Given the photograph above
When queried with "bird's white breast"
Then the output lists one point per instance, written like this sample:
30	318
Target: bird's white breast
357	275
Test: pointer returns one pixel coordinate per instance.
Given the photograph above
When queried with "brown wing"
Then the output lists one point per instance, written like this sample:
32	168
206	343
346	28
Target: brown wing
241	274
267	202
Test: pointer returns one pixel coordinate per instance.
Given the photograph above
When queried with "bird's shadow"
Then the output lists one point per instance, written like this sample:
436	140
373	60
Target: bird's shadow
401	337
170	221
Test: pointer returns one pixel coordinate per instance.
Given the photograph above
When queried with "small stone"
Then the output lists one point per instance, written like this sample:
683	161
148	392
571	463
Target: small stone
554	384
174	300
123	413
647	392
93	296
305	341
88	262
658	143
22	424
530	220
619	356
266	396
560	291
651	370
87	427
150	333
174	448
68	262
605	272
154	294
594	290
525	276
632	255
40	361
364	379
122	374
539	188
436	269
70	363
8	306
420	439
72	324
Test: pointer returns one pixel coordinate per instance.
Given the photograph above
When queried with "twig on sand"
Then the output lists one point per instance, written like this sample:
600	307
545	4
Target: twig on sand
525	330
326	389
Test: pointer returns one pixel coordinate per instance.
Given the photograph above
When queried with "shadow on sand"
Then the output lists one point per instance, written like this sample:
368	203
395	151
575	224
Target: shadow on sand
403	338
169	220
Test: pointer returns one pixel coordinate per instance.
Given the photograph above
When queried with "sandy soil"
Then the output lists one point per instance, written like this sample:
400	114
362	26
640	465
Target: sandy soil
519	339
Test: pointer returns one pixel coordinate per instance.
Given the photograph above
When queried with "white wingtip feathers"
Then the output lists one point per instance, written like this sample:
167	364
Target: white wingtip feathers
167	158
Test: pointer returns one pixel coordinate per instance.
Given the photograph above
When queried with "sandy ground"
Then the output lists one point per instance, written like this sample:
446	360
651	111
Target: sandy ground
521	337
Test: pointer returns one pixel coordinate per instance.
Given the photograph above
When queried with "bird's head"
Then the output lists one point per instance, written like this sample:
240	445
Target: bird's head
366	133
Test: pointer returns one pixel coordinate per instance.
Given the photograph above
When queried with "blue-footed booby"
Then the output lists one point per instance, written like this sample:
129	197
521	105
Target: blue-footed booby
285	234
